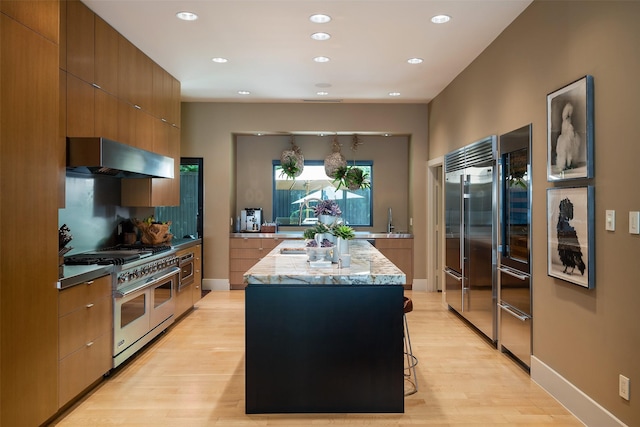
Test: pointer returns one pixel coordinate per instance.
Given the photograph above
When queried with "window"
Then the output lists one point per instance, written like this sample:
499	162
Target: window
289	196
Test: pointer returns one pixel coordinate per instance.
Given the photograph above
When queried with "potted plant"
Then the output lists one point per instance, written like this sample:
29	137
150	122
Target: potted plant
317	236
343	233
327	211
356	179
352	177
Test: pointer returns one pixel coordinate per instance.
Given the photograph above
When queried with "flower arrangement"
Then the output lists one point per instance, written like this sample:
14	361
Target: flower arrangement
327	207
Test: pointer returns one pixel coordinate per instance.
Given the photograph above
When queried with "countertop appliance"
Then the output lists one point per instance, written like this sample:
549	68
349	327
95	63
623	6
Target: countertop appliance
250	220
514	243
471	234
145	282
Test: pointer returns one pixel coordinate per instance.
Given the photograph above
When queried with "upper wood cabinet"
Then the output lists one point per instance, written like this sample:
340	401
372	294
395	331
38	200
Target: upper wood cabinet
80	31
106	56
175	102
38	16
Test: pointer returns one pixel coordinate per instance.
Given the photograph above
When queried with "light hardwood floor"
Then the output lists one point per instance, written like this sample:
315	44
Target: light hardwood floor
194	376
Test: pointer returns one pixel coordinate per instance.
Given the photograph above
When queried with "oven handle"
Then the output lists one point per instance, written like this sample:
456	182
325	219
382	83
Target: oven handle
184	259
128	291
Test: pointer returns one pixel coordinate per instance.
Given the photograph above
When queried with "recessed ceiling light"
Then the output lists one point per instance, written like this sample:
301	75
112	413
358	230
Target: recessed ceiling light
187	16
244	92
219	60
394	93
415	60
321	36
320	18
321	59
440	19
321	93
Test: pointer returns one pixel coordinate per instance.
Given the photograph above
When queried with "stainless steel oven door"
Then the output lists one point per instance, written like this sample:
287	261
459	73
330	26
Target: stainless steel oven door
130	319
186	269
163	298
141	311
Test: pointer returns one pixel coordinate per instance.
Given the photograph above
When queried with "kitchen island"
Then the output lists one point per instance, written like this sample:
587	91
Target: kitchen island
327	339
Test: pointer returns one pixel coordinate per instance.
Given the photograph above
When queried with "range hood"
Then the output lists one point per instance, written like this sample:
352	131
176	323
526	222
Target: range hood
101	156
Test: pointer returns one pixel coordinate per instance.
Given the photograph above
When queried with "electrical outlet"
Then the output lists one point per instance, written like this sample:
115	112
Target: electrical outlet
610	224
624	386
634	222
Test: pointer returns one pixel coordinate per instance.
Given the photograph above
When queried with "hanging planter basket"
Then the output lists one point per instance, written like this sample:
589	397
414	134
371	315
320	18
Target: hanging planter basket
335	160
292	161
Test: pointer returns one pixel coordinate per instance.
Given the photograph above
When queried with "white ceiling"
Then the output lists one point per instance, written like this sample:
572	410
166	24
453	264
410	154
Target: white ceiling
271	53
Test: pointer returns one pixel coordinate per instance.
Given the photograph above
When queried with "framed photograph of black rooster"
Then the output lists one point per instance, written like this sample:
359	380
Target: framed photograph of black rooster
570	231
570	131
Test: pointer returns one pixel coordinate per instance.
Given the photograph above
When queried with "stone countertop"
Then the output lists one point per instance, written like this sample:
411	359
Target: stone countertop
75	274
368	267
184	243
298	235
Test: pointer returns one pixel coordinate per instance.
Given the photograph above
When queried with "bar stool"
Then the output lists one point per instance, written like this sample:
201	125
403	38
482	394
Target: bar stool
411	360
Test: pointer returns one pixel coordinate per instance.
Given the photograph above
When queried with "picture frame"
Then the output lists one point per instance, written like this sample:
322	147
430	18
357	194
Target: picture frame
570	131
570	234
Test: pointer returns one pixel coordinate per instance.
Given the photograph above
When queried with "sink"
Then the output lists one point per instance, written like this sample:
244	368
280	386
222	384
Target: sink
293	251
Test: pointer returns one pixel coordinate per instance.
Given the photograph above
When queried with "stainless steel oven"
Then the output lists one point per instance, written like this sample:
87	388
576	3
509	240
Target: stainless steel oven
144	304
186	269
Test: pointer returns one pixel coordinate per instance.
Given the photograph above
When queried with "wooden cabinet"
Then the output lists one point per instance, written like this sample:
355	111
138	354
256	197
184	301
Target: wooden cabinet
85	323
244	253
197	266
80	107
399	252
106	44
114	90
30	80
80	32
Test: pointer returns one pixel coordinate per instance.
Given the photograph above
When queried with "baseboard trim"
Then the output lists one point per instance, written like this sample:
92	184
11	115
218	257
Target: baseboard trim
587	410
419	284
216	284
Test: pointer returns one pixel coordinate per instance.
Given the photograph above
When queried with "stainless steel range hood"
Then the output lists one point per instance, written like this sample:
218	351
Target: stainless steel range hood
103	156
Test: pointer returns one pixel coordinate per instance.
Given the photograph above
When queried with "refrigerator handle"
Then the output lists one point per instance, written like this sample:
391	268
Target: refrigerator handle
451	273
513	273
513	313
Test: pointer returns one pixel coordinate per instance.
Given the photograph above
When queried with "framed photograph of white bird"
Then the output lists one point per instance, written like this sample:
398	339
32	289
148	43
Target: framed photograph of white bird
570	231
570	131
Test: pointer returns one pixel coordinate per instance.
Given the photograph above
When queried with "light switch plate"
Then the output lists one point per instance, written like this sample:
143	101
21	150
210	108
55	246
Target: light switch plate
634	222
610	218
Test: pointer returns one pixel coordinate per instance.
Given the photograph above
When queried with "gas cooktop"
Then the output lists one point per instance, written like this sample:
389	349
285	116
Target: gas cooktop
117	255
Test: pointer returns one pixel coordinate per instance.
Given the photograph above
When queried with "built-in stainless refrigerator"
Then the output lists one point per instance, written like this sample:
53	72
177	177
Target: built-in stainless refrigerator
514	245
471	234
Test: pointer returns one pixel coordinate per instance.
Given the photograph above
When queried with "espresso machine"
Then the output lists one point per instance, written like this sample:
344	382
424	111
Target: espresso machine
250	220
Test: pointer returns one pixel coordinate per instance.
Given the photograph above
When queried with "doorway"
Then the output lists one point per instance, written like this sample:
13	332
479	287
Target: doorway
186	219
435	239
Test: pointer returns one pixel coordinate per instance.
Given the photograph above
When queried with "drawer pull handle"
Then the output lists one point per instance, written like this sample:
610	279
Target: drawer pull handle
89	305
89	344
90	282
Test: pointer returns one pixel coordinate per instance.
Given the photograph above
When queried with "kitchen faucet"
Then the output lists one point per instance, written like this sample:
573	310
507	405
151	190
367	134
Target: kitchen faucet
390	226
304	204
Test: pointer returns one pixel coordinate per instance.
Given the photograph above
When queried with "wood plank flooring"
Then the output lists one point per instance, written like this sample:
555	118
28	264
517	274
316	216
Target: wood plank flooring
194	376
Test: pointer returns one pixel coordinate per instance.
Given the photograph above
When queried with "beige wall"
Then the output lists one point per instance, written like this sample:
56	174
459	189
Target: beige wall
208	131
390	156
588	336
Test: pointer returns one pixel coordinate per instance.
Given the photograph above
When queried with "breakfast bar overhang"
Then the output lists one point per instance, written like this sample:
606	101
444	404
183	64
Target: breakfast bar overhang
324	340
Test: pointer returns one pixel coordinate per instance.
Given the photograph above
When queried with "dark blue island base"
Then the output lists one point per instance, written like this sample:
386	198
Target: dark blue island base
324	349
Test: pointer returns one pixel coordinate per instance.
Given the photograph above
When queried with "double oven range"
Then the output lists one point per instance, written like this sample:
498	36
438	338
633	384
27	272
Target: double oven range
145	282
